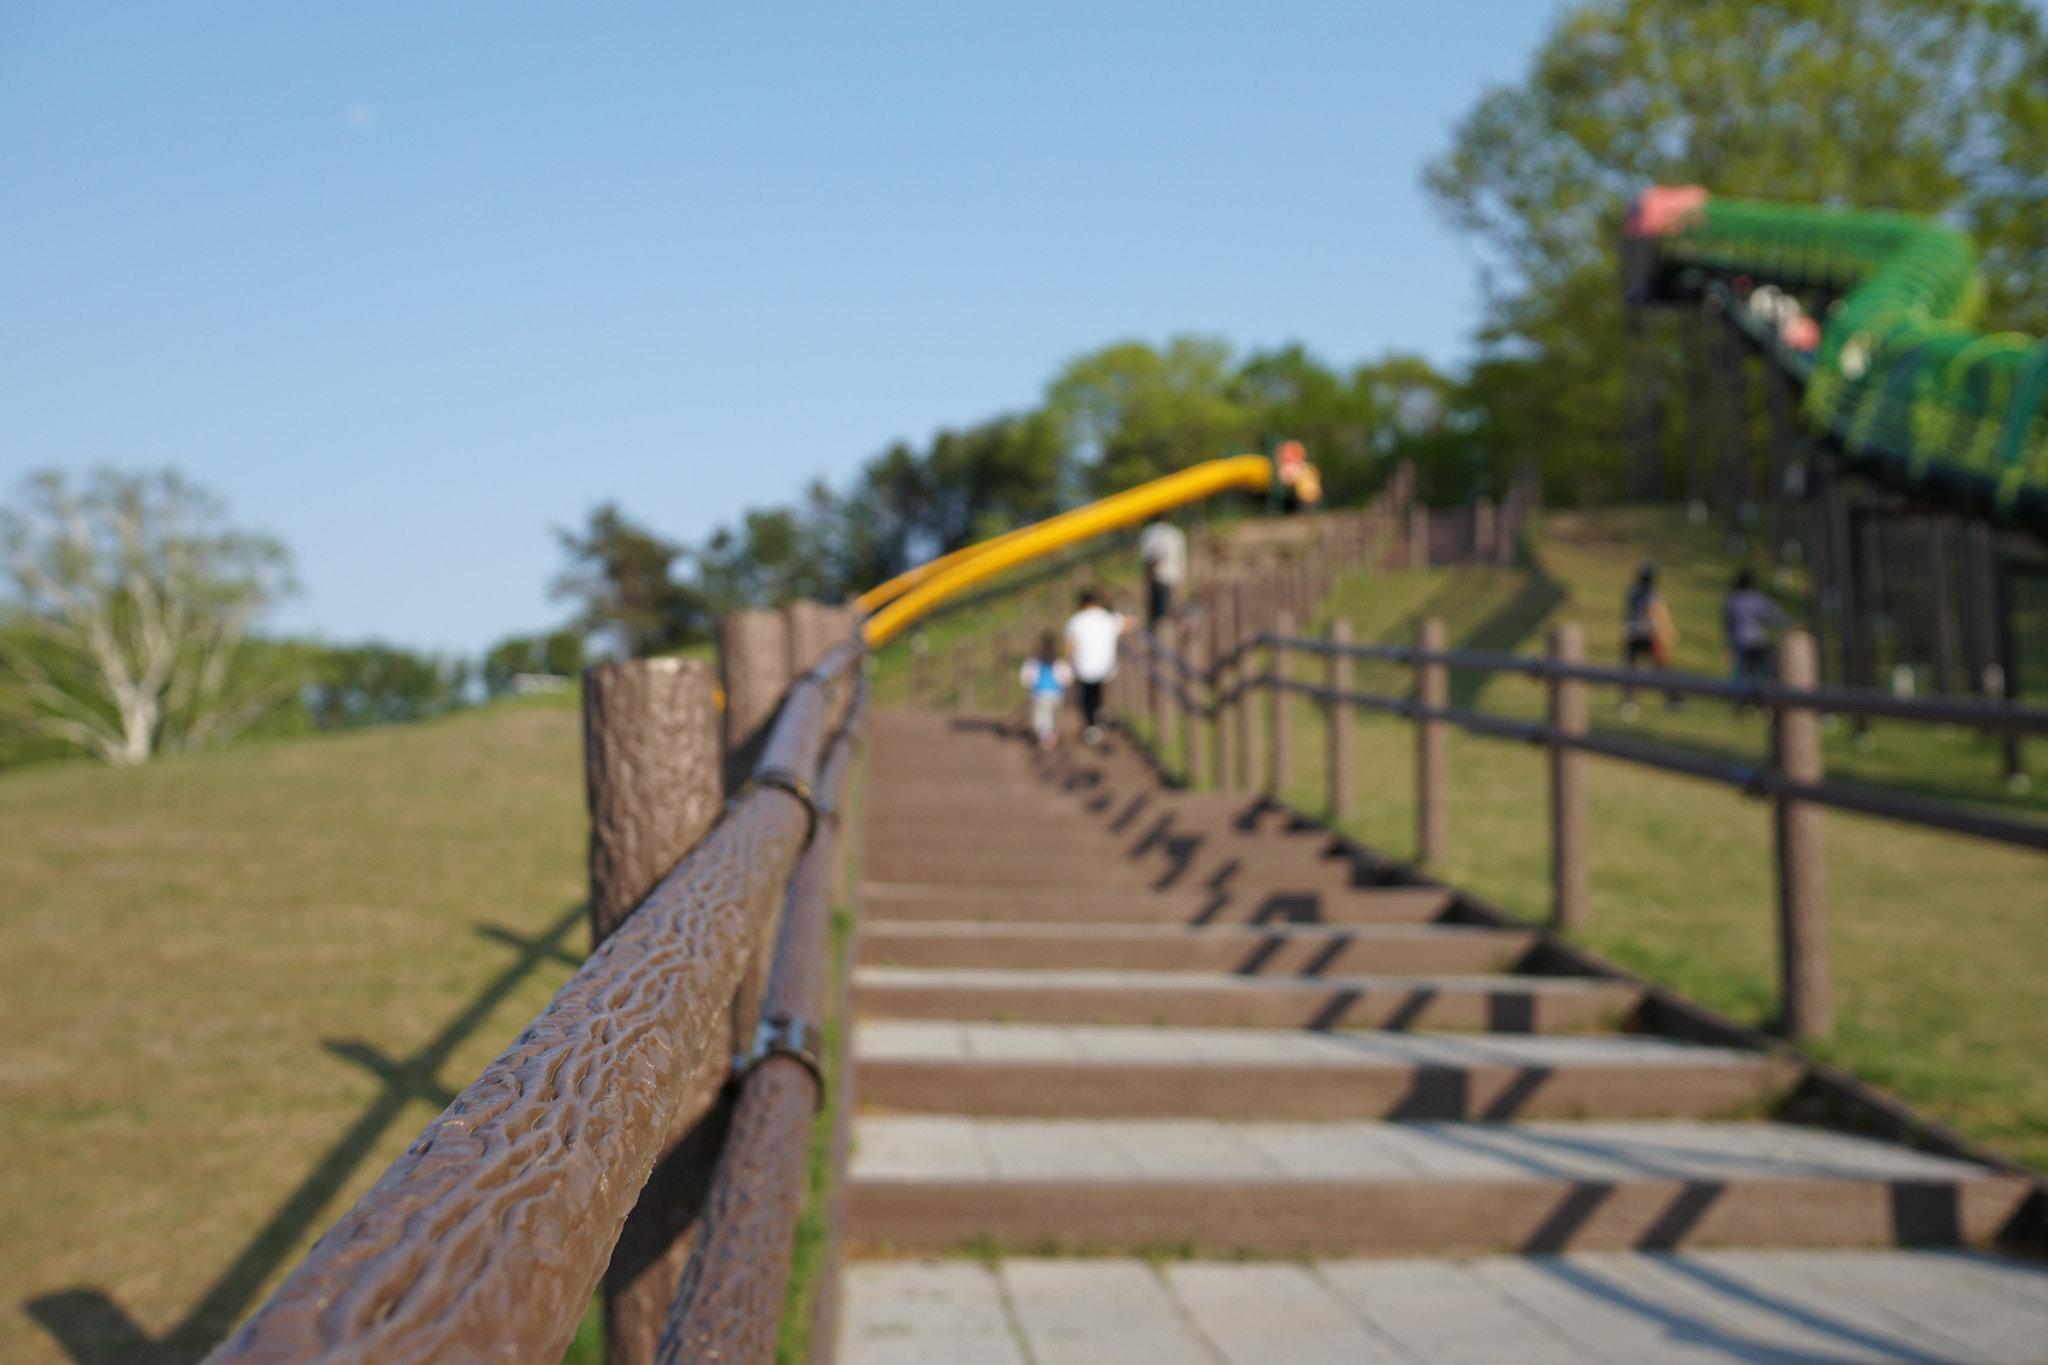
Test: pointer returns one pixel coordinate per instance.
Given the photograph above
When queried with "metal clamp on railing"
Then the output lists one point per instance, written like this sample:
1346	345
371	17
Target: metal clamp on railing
784	781
782	1036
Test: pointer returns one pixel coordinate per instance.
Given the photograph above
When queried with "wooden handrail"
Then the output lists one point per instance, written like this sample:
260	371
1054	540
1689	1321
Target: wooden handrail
485	1239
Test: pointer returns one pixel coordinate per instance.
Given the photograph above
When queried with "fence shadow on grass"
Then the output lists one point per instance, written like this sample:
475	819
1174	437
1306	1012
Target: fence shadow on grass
94	1330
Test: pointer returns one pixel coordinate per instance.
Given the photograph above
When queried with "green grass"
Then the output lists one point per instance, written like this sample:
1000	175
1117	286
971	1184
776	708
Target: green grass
1940	943
236	984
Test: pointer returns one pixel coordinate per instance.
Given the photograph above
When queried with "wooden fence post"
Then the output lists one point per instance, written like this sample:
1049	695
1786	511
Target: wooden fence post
1808	992
651	766
1165	694
1340	722
1194	721
1222	641
920	671
1418	537
1137	648
812	629
753	668
1432	689
1246	713
654	772
1280	664
1568	716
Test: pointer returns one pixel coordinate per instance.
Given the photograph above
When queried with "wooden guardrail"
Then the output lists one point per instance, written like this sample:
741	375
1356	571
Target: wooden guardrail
1200	695
651	1127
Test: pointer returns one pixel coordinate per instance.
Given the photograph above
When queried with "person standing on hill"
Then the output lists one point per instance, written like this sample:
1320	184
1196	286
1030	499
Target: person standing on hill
1047	677
1092	635
1647	630
1751	620
1164	548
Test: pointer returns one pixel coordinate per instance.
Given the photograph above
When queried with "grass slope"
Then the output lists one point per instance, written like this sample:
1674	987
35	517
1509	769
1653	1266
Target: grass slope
1940	943
237	984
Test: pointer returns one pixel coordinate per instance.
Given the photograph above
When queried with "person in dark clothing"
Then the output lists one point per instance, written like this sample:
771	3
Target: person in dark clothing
1647	631
1750	621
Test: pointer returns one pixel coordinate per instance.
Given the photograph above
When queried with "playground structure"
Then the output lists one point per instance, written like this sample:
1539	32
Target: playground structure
1904	455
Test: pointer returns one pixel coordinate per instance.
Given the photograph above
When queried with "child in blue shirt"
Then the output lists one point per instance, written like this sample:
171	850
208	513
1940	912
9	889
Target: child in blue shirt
1047	677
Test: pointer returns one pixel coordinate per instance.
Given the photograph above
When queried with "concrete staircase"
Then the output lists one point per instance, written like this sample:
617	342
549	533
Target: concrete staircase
1127	1029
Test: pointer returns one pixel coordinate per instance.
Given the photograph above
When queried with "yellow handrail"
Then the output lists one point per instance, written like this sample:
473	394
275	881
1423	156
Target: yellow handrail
933	583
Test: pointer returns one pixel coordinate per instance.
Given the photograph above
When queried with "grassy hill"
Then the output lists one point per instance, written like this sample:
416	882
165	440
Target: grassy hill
236	984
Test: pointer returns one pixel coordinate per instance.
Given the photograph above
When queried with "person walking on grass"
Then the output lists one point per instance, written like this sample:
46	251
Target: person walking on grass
1751	622
1046	676
1092	635
1647	632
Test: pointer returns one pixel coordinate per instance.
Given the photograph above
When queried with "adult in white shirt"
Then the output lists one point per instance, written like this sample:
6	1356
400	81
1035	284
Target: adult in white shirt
1092	634
1164	548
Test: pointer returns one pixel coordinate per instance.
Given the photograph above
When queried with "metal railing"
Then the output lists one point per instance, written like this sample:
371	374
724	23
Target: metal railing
1211	707
672	1082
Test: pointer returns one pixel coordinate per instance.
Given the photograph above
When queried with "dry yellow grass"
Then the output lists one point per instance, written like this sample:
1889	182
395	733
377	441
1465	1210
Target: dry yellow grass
235	985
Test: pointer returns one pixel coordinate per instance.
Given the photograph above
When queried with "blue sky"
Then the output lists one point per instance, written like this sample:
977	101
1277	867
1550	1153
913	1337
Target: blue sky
411	285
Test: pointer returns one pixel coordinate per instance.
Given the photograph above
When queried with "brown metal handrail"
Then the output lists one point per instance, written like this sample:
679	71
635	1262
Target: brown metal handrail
486	1238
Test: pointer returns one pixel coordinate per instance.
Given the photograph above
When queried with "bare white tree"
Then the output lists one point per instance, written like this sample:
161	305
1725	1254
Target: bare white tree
133	598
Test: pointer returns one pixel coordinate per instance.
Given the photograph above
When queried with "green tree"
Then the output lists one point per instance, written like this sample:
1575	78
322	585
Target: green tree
1131	414
377	684
993	477
1291	395
775	556
131	607
558	654
1926	106
620	574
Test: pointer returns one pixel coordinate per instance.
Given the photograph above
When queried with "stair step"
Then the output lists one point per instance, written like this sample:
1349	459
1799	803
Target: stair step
1505	1004
1082	865
1094	1071
1694	1308
1268	950
933	1182
886	900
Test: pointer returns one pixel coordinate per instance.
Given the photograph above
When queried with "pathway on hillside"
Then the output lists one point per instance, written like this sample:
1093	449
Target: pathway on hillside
1149	1076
